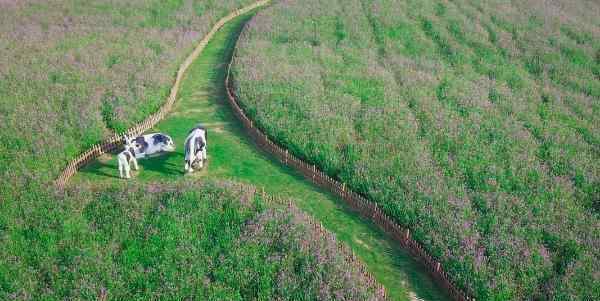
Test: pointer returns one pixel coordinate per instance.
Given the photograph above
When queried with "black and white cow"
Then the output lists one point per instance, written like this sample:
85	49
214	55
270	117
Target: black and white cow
195	148
127	157
151	144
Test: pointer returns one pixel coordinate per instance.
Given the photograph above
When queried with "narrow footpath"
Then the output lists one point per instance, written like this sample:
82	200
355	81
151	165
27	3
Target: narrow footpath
233	156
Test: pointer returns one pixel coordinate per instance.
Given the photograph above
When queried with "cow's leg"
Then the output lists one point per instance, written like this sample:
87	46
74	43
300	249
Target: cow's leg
188	166
127	174
204	157
200	160
135	164
191	161
121	169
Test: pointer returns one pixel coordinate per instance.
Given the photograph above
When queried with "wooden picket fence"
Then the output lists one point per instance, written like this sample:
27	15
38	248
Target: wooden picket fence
318	231
114	142
360	204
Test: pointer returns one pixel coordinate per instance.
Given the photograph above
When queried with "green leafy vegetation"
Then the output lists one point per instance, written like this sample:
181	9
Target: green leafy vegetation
209	241
475	124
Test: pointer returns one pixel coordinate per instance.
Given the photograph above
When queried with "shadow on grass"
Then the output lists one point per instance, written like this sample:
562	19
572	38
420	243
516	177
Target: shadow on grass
163	164
102	173
101	169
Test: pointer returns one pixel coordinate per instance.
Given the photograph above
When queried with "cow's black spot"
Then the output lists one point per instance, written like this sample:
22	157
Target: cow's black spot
141	144
159	138
199	143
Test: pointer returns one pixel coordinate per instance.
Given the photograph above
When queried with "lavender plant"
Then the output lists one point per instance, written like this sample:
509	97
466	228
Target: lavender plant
475	124
198	241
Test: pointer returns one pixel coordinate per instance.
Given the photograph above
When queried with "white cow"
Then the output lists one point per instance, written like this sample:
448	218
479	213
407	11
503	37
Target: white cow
151	144
195	148
127	157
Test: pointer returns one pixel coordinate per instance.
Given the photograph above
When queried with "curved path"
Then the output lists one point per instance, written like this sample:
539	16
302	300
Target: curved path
232	155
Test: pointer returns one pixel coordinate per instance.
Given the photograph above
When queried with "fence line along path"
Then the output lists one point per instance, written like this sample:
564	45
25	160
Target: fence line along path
113	142
363	206
318	231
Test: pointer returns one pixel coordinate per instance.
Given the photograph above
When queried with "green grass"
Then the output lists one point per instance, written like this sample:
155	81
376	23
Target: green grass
233	156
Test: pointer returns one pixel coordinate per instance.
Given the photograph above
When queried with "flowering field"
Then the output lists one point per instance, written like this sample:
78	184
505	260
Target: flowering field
203	241
233	156
477	125
115	243
71	72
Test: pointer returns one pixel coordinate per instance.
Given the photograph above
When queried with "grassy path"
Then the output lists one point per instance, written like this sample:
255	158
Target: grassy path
233	156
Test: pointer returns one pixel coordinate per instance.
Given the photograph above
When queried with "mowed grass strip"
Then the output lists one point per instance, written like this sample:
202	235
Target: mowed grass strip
233	156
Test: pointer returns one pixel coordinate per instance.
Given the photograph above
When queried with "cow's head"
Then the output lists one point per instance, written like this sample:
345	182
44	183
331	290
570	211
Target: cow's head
127	141
128	144
169	145
200	145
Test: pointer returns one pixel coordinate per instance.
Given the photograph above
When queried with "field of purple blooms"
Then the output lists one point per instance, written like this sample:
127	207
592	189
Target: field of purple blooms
72	72
190	241
476	124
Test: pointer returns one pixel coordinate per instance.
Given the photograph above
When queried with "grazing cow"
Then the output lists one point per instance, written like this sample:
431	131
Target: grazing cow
195	148
127	157
151	144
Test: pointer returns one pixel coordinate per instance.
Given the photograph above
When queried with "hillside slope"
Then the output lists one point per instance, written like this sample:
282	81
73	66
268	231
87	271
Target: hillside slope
476	124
